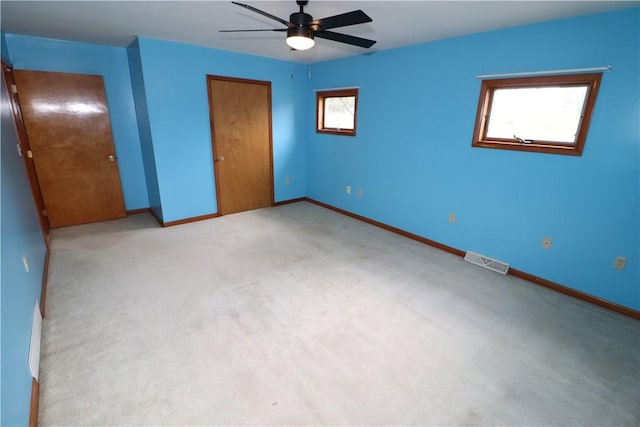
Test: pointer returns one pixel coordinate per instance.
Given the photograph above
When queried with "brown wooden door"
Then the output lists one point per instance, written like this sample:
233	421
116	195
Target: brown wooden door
69	131
241	129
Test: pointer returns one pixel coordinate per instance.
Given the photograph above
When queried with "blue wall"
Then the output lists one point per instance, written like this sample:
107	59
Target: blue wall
144	128
5	58
412	155
4	50
174	78
33	53
19	290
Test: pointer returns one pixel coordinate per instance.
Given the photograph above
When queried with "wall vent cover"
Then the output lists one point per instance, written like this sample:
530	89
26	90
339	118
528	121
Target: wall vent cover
486	262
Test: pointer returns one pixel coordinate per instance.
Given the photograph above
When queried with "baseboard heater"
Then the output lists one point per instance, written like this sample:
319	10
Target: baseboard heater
34	345
486	262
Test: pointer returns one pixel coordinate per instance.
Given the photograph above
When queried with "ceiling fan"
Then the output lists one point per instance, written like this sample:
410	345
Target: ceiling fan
302	28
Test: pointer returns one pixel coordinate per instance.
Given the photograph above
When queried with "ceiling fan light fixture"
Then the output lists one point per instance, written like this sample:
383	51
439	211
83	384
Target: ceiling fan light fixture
299	38
302	28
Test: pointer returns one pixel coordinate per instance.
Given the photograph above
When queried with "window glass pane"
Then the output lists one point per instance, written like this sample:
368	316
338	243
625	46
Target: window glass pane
537	114
339	112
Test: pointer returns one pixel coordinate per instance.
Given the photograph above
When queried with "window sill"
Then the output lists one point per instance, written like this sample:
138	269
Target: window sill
337	132
569	150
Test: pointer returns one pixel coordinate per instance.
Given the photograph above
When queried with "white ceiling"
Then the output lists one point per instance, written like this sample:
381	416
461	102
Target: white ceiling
395	23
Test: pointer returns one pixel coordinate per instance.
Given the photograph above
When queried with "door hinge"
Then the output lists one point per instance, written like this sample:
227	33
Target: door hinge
44	212
14	88
19	148
29	154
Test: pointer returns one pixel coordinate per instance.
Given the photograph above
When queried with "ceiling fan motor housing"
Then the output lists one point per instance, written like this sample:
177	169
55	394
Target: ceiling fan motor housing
300	18
300	32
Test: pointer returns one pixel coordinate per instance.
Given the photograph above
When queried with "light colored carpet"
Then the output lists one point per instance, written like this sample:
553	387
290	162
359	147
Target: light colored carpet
297	315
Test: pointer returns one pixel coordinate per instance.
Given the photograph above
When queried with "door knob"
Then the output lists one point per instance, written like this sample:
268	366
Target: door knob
220	158
112	158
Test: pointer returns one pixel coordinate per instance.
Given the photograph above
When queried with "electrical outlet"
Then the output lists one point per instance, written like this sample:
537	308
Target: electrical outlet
452	217
348	189
287	180
360	192
25	262
546	243
619	263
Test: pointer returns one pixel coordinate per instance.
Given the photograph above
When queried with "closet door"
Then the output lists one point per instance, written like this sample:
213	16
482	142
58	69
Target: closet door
241	134
69	131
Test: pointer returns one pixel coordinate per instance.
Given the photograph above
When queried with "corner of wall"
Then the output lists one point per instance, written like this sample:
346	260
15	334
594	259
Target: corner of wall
142	113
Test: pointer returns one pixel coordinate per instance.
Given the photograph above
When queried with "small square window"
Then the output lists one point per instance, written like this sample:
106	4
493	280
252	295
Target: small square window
548	114
336	111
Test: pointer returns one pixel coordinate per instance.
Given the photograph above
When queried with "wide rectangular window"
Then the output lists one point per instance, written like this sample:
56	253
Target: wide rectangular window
336	111
548	114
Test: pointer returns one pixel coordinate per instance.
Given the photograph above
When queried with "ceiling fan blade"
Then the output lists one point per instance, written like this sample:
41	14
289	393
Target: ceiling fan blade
263	13
239	31
342	20
345	38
